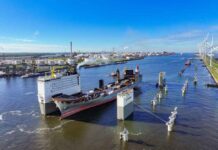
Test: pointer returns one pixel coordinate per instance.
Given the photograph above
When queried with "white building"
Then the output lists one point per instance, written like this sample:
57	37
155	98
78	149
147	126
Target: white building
61	62
16	62
70	61
52	62
29	61
41	62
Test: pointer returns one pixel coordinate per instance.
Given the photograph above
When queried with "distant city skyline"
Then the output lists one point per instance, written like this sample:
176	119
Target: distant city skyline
98	25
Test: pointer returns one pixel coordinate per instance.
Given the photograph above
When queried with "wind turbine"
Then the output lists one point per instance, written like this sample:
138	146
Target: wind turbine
211	52
203	46
214	48
206	47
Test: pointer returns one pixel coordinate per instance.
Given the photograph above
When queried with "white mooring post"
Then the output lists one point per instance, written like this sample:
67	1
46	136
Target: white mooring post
172	119
125	104
184	88
161	80
166	89
154	102
124	135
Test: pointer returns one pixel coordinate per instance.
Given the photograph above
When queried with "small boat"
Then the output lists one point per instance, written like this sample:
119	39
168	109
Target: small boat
188	63
113	74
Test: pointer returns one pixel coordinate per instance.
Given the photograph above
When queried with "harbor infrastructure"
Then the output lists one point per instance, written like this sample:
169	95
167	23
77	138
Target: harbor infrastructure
124	135
172	119
184	88
161	80
125	104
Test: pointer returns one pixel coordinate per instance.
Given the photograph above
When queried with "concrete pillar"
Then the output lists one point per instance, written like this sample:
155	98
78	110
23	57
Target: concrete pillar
125	104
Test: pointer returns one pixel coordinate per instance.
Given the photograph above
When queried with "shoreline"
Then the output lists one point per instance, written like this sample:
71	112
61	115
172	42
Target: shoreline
210	72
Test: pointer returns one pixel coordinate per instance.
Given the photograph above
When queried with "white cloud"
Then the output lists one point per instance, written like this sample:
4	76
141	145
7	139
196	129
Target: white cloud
24	40
30	47
184	36
177	41
11	39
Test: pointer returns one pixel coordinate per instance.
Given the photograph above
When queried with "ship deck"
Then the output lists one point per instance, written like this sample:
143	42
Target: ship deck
95	93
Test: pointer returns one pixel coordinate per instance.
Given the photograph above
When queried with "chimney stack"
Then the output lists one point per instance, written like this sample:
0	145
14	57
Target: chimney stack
101	84
71	51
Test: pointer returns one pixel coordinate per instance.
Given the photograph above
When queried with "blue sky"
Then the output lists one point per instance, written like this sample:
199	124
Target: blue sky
95	25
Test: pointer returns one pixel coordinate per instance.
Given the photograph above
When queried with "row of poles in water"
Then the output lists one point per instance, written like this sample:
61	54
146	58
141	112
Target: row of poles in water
170	123
124	135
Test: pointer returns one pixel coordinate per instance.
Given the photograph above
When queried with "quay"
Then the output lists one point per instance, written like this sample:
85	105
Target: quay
213	70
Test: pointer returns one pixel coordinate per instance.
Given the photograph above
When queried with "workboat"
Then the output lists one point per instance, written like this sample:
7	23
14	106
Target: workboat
64	92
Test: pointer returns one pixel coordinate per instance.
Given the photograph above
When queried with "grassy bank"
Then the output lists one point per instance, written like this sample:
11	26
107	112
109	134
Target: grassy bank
214	69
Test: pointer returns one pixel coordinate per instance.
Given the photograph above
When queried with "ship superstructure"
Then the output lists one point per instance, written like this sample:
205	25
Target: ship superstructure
56	83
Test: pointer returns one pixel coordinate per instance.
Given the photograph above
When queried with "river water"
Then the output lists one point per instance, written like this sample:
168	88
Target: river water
22	126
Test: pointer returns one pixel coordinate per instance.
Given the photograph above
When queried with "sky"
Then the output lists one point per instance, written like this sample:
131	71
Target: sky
106	25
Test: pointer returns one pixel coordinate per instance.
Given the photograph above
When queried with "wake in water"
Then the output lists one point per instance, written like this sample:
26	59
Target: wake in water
10	132
17	113
21	128
136	134
29	93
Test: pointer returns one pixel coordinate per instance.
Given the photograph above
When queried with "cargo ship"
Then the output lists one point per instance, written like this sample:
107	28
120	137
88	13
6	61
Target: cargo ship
63	92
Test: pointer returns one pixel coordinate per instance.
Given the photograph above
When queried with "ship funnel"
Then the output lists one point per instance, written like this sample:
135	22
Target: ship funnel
101	84
118	75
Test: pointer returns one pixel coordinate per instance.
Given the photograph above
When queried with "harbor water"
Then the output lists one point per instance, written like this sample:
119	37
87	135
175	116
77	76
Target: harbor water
22	126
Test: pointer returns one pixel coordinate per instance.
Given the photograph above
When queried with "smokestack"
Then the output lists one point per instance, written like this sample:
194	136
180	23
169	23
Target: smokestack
71	51
118	75
101	84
